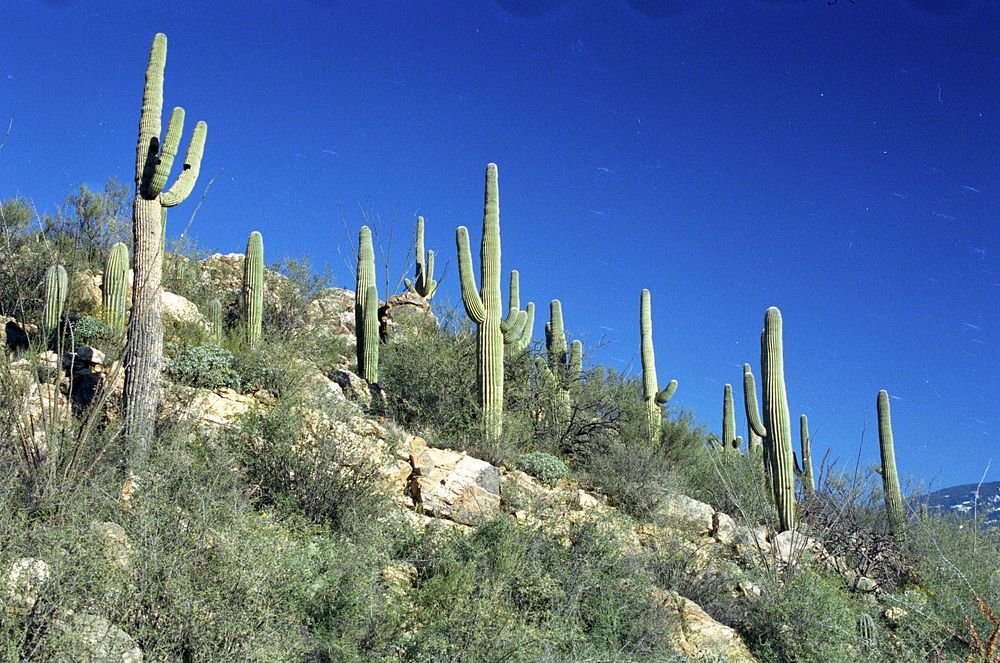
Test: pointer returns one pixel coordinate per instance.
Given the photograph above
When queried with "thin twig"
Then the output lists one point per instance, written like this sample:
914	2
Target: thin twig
6	135
198	206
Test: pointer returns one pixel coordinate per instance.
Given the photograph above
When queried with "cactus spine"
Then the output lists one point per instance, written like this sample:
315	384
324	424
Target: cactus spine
650	394
775	429
808	481
729	439
215	319
56	289
366	308
253	288
890	480
114	288
423	282
144	355
483	307
522	322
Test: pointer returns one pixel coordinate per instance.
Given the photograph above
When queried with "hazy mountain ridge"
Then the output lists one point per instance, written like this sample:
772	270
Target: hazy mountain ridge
962	500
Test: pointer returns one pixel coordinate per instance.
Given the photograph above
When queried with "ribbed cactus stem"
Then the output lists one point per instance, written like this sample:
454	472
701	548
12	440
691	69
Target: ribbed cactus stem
519	325
366	308
56	290
555	336
483	306
729	420
215	319
423	283
114	288
144	352
776	418
808	481
890	480
651	393
253	288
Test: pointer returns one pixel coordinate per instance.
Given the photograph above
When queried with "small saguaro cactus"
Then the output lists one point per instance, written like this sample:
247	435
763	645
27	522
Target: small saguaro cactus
483	307
522	326
114	287
564	367
423	282
775	428
215	319
366	308
253	288
729	437
651	393
890	480
153	161
807	478
56	289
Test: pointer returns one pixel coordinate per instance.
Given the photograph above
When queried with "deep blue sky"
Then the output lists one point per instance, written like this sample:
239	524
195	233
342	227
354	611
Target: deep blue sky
838	161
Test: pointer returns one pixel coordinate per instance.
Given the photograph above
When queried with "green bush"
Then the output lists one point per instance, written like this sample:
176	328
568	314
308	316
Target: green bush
91	331
209	366
543	466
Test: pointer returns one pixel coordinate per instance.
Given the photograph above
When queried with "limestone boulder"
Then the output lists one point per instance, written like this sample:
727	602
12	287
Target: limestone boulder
453	486
700	637
178	310
26	578
90	637
686	513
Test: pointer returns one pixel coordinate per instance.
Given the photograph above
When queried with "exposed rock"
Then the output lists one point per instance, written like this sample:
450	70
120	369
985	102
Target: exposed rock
86	370
794	546
681	510
332	312
368	396
13	335
178	311
406	312
399	577
25	581
89	637
724	528
454	486
894	615
117	548
314	385
700	637
212	409
83	298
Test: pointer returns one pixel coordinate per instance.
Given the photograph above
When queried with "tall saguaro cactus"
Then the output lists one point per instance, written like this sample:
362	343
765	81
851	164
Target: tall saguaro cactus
114	288
483	307
253	288
652	395
423	282
522	326
775	429
366	308
153	161
56	290
808	480
890	480
729	438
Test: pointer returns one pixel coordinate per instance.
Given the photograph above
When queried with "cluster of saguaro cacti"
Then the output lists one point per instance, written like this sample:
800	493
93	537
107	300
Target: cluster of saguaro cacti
483	307
253	288
114	288
153	161
652	395
366	308
564	365
517	339
215	319
56	289
423	282
730	440
775	429
890	480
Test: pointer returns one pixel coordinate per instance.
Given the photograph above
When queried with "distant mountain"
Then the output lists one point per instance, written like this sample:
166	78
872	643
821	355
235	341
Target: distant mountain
962	500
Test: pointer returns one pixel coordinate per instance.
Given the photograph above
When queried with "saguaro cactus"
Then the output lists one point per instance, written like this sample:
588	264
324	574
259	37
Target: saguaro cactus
253	288
423	282
564	366
215	319
651	393
808	481
366	308
890	480
775	429
483	307
114	288
522	326
56	289
729	437
153	161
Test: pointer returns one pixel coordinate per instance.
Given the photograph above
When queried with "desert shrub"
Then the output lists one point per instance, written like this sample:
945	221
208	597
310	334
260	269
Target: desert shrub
543	466
257	370
209	366
731	482
85	330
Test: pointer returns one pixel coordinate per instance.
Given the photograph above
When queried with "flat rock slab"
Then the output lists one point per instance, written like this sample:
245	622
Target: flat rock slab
453	486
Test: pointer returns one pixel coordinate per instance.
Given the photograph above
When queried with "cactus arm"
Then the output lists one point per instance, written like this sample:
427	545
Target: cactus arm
575	360
890	480
529	327
750	403
738	442
430	283
474	306
555	335
728	417
665	394
182	188
807	478
160	168
423	283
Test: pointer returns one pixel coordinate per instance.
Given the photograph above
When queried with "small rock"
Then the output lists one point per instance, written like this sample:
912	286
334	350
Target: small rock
94	638
25	581
451	485
724	528
689	513
894	615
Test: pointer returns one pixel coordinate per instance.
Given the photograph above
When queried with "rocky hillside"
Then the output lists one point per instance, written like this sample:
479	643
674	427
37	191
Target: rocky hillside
982	501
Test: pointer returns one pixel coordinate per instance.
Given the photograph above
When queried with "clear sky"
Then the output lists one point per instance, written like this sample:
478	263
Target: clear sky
837	160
